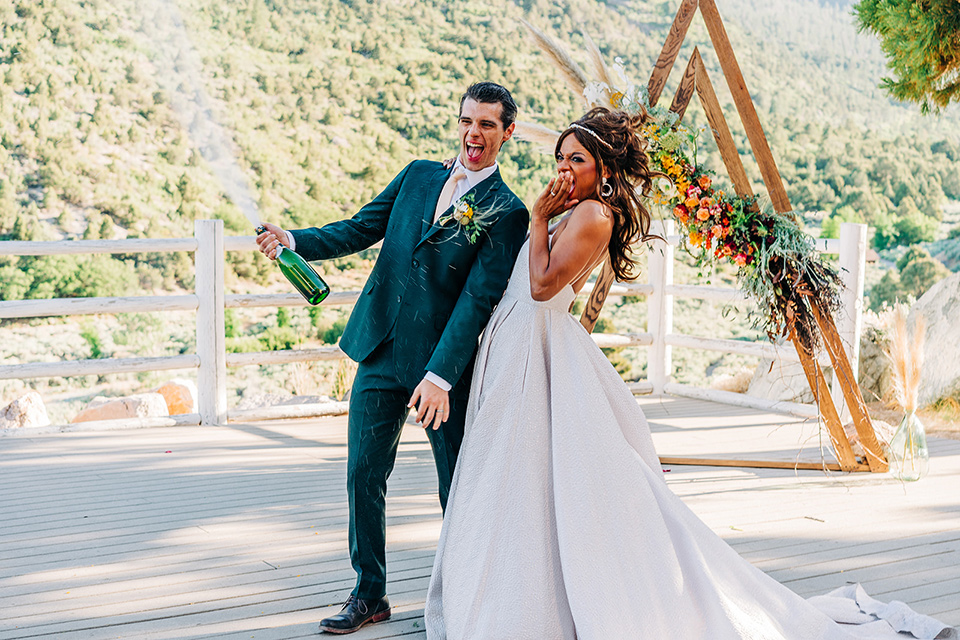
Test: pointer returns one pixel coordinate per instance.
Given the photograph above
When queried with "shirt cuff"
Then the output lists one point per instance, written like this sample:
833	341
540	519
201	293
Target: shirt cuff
437	380
293	243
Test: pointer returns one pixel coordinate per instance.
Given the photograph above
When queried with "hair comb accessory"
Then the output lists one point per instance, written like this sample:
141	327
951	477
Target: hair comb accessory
593	133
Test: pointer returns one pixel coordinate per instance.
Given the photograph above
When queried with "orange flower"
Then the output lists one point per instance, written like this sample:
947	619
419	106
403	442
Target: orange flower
704	182
703	214
692	202
706	202
740	259
716	230
680	212
696	239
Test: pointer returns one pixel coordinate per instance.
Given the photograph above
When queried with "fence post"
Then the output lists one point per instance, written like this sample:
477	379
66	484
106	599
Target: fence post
660	307
853	256
211	348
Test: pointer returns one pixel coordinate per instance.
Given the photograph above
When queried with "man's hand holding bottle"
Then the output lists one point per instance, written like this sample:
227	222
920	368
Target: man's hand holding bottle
271	239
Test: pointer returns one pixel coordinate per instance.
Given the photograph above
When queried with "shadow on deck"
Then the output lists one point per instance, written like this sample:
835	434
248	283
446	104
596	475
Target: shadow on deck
239	531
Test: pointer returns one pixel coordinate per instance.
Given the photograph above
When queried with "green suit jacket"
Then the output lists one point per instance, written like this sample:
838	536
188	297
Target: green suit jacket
431	288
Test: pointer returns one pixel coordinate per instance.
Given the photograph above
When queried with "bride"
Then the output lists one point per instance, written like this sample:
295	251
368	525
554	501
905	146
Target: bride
559	524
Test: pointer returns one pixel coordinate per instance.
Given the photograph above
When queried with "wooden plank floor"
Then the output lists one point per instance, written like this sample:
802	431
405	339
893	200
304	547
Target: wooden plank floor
239	531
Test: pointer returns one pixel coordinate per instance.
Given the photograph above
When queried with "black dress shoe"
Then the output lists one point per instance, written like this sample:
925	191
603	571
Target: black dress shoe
355	614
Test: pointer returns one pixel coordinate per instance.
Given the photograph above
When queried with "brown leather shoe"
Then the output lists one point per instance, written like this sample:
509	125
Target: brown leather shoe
355	614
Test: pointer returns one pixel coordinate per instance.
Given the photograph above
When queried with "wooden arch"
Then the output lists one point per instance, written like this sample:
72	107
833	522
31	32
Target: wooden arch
695	78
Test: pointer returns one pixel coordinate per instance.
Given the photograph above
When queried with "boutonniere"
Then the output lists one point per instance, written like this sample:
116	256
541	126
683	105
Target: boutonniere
470	218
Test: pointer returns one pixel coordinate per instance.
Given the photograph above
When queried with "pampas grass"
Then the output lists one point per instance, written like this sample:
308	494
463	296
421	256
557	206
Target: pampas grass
906	357
572	74
599	67
544	138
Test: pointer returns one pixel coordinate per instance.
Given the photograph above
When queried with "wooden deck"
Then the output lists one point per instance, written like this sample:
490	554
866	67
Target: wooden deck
239	531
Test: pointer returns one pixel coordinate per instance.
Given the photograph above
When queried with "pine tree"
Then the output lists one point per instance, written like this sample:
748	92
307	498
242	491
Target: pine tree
921	39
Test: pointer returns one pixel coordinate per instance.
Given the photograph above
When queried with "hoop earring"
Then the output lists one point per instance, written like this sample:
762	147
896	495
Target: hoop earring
606	190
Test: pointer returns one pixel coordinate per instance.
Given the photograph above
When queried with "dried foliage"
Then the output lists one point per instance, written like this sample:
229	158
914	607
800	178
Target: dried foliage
906	356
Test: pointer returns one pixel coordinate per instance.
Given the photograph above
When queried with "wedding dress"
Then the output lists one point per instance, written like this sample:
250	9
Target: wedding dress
560	525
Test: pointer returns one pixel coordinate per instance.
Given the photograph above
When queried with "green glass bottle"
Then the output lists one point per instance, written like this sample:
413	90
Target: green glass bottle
300	274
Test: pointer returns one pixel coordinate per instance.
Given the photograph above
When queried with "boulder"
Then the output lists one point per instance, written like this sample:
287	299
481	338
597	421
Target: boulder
180	396
261	400
782	381
940	307
141	405
26	411
874	373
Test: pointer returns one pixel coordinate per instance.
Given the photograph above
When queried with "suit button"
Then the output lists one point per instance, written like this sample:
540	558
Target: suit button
399	298
416	263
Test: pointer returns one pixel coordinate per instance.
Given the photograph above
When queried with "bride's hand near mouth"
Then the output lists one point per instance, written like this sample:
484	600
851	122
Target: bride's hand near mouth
555	199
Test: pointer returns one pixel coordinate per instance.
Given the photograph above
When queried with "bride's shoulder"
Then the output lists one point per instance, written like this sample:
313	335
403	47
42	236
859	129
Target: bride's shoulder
592	212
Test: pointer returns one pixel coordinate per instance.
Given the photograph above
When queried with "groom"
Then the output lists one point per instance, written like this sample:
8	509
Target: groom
450	238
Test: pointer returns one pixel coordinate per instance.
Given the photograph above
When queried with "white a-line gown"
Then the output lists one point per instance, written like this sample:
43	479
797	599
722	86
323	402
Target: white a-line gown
560	524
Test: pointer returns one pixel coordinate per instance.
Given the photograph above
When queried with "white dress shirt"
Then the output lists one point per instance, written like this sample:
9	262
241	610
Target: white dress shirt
471	179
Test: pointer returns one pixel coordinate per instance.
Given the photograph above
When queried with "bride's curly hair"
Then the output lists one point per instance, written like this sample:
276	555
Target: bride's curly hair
613	139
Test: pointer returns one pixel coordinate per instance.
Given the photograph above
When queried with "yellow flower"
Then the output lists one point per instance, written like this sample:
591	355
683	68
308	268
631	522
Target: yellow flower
696	239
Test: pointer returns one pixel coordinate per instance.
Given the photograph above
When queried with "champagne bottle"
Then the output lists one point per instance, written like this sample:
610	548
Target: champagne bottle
300	274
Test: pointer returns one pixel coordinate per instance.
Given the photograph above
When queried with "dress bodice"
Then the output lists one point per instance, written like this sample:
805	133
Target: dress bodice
519	286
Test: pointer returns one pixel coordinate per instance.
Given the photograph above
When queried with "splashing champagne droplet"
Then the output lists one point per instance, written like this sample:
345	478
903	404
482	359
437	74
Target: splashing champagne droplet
180	73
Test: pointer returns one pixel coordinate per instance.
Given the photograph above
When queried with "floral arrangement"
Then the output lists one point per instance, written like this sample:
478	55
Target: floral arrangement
464	214
777	263
472	219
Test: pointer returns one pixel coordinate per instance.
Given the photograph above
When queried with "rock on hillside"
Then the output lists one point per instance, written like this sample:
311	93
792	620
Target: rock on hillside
940	307
26	411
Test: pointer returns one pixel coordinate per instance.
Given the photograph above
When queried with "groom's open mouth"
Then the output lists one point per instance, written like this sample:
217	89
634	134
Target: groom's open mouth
474	152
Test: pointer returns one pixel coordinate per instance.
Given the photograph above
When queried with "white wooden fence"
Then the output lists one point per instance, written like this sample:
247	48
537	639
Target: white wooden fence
209	301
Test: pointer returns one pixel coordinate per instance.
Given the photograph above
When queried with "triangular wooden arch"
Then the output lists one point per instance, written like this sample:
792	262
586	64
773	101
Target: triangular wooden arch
695	78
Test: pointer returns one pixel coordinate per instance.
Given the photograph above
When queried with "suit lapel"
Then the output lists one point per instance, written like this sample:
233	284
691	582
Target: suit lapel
482	191
434	187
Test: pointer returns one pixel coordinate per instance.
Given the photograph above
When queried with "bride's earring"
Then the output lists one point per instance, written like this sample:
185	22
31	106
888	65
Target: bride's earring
606	189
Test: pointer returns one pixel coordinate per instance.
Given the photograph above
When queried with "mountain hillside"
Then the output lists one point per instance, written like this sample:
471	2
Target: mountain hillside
108	112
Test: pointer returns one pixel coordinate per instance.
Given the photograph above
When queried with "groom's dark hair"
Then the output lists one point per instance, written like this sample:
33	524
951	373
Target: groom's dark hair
490	92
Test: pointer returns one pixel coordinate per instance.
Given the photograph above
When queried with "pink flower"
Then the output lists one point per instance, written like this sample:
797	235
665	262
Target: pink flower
740	259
